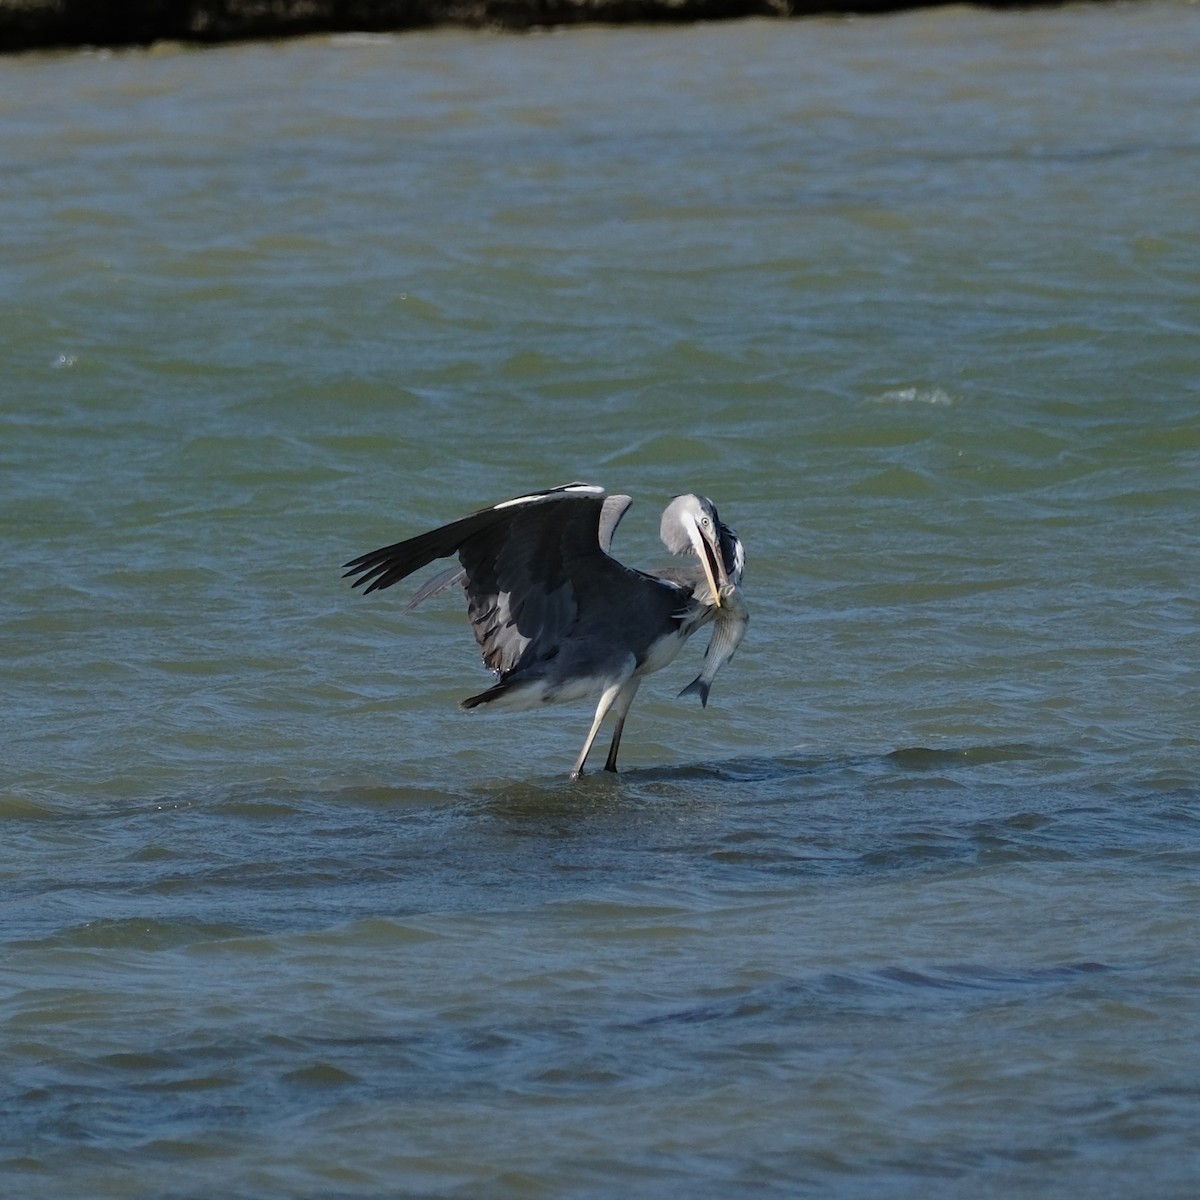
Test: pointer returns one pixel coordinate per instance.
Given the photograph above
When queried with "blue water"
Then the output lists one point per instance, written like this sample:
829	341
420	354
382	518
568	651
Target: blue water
907	910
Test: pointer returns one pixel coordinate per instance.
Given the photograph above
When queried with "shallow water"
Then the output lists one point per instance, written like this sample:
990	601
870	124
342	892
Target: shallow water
908	910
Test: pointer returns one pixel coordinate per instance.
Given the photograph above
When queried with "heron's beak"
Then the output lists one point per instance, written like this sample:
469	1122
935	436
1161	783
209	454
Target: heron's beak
709	554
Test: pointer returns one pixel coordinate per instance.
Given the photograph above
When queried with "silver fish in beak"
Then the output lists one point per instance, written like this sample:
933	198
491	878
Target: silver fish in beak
729	627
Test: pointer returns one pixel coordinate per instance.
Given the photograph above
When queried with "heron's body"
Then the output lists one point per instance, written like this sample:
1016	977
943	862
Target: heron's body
555	615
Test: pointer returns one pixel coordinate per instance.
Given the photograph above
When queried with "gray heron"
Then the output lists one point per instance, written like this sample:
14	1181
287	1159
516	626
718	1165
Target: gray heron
557	617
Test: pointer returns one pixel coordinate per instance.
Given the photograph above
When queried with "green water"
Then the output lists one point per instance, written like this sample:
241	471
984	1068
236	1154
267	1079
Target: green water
908	910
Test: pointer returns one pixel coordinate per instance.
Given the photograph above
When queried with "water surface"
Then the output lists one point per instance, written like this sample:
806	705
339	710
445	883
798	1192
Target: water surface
908	910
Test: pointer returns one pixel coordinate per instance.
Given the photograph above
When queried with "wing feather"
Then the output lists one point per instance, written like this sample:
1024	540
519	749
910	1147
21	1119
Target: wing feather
389	564
536	571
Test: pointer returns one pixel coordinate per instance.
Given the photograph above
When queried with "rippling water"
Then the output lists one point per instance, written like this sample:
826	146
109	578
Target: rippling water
909	910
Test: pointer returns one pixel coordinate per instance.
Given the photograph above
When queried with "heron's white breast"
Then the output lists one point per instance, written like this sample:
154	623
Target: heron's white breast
664	651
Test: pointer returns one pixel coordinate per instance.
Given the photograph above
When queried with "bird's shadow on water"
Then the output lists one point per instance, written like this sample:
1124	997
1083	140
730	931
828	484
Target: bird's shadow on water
925	791
737	781
763	773
633	786
916	809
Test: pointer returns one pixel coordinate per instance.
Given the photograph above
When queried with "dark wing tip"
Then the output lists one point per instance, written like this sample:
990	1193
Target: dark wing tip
377	569
389	564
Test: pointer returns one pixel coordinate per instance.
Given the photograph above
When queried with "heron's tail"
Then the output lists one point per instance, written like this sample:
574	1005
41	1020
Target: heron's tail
493	693
514	695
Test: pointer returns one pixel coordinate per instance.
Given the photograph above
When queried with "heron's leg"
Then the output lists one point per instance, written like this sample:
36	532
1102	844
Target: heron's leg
621	709
607	699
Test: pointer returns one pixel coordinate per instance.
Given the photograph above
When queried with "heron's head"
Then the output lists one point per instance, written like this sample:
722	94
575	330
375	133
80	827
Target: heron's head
690	525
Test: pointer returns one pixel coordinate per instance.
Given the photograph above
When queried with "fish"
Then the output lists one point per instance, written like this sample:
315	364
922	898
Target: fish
729	627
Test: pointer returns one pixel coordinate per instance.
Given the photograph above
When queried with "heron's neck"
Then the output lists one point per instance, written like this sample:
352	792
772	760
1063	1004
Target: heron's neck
700	610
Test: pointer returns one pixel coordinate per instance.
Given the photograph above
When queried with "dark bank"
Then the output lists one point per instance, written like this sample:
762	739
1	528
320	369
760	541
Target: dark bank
48	24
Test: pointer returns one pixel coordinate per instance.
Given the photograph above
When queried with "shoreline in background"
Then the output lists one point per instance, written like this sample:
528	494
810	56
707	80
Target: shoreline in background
62	24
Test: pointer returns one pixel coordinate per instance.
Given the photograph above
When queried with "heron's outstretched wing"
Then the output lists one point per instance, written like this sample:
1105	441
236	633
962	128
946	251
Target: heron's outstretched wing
614	508
535	570
389	564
